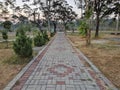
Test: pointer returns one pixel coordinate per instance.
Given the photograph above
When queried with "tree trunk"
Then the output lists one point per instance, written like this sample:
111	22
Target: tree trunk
65	28
88	37
97	26
54	24
34	17
38	16
117	23
73	30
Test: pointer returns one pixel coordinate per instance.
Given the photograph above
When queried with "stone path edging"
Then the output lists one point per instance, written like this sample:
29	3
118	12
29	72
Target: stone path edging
94	68
19	75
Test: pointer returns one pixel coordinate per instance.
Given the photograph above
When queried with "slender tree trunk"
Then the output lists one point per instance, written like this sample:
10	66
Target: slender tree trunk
88	37
38	16
54	24
117	23
73	30
64	27
39	23
34	16
97	26
48	16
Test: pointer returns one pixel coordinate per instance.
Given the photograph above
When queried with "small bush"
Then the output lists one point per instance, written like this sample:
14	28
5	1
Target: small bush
23	44
39	40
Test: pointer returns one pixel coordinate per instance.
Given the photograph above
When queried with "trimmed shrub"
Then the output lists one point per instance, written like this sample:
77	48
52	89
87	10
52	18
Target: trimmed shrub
39	40
23	44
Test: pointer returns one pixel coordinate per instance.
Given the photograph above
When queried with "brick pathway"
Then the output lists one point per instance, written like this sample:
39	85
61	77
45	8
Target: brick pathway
60	68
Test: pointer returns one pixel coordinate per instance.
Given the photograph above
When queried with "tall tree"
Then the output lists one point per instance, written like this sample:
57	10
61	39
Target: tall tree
63	11
114	8
100	6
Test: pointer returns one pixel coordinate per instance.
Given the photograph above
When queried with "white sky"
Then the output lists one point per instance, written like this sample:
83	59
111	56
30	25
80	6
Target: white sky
70	2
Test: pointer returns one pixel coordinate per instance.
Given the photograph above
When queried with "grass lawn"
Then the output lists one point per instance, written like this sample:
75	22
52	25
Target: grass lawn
105	55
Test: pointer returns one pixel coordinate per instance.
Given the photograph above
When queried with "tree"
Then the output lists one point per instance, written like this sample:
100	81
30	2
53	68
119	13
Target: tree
11	3
99	8
62	11
7	25
114	7
85	28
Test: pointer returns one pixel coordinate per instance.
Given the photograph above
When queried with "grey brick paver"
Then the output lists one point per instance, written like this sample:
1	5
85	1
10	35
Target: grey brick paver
61	69
58	87
43	87
50	89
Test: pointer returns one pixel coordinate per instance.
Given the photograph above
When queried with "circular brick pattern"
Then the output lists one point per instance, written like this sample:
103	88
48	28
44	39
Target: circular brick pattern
60	70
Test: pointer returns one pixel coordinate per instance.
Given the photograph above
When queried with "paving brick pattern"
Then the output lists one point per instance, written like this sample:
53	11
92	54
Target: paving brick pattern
60	68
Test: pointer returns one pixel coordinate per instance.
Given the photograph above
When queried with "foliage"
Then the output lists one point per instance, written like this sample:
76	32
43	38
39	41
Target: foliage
39	40
26	27
23	18
88	13
23	44
103	8
45	36
4	35
7	25
83	28
20	30
15	16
